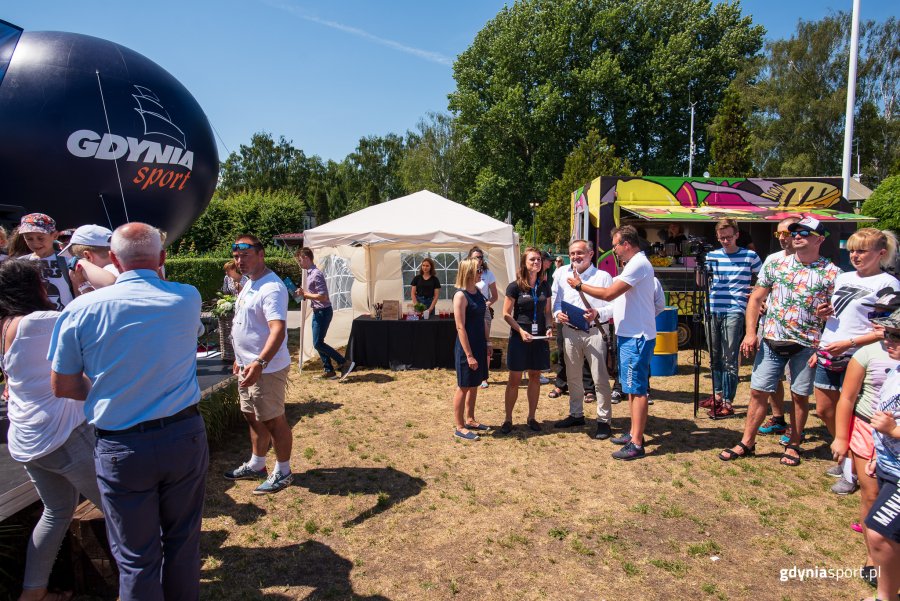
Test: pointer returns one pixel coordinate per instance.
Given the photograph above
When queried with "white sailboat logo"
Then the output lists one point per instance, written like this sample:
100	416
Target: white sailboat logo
156	118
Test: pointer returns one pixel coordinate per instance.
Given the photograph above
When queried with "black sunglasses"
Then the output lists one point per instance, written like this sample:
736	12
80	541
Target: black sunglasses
891	336
243	246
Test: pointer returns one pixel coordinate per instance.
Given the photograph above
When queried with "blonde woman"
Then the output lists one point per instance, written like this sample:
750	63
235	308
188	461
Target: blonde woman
488	287
471	350
847	327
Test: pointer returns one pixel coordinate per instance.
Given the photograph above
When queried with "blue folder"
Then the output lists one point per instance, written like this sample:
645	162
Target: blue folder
576	316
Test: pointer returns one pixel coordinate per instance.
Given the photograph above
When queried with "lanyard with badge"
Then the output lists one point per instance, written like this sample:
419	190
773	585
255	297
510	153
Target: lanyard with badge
534	298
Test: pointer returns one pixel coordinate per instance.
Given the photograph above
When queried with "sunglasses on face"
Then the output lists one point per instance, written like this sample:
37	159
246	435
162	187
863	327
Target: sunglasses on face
780	235
890	336
242	246
804	233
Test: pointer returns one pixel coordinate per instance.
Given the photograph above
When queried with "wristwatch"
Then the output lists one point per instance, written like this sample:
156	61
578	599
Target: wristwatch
578	286
262	362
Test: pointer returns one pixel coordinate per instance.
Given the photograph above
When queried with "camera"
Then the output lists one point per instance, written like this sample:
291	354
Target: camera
698	246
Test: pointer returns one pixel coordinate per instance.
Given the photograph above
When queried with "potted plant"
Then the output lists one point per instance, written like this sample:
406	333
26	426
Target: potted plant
224	311
419	308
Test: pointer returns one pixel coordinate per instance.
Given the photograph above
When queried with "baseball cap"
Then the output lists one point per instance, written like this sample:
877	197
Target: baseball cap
891	322
809	223
37	223
887	301
89	235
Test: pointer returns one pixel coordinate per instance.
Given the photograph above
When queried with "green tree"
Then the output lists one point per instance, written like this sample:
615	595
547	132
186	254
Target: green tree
883	204
265	164
374	163
799	99
591	158
436	158
542	73
730	138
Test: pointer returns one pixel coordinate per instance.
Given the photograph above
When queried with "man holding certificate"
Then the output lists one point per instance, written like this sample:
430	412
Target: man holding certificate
581	337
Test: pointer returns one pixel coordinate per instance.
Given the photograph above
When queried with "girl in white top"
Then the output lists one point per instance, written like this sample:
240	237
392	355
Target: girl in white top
848	327
487	285
47	434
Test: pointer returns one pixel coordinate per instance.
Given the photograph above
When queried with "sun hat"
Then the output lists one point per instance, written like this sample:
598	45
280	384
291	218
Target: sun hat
37	223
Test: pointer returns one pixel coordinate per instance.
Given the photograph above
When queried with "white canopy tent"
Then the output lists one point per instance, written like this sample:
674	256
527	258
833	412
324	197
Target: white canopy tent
370	244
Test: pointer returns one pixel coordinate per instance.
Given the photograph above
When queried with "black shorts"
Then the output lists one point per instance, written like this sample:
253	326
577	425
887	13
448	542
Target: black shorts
883	517
524	356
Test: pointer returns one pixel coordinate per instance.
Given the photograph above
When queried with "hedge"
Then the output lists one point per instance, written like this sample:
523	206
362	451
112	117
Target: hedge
206	273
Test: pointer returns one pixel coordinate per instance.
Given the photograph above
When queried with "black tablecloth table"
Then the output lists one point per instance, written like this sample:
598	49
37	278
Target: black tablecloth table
402	345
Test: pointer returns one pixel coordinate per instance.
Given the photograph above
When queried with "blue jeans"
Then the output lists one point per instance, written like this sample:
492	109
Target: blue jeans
152	484
726	332
768	369
321	319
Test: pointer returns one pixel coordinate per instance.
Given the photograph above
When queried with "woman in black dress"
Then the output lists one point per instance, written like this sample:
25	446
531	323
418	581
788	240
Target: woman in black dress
471	350
528	311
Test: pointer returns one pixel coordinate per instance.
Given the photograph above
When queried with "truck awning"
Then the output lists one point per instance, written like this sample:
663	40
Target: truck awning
744	213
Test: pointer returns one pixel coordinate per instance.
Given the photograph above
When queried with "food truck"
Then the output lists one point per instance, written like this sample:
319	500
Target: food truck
677	217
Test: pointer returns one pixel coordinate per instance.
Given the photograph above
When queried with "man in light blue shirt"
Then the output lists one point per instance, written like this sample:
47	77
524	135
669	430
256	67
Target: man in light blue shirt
732	269
129	350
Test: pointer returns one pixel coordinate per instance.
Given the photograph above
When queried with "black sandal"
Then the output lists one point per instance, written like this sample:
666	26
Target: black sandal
790	460
729	455
555	393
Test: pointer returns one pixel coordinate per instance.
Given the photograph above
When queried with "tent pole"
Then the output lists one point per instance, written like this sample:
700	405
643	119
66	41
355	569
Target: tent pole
302	319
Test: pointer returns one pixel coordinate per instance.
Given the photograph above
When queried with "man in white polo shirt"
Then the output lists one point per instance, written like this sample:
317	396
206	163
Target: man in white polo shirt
262	364
634	315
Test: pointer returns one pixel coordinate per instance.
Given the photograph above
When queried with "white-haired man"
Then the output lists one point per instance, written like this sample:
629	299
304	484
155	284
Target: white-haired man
129	350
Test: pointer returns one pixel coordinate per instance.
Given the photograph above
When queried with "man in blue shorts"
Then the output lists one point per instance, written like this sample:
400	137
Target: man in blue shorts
634	315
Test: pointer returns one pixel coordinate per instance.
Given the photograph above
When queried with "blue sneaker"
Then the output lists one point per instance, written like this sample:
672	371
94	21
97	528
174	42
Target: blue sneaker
786	438
465	435
274	483
621	440
773	426
629	452
245	472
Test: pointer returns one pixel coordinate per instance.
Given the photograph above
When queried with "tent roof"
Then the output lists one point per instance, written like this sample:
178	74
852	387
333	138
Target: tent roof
420	218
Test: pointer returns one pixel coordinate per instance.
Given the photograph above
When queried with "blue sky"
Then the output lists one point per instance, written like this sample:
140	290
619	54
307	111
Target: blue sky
321	73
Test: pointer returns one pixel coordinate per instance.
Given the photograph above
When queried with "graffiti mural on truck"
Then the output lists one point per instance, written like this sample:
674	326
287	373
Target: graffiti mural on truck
700	199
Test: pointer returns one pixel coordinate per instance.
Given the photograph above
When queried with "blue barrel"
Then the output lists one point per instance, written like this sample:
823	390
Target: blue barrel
665	355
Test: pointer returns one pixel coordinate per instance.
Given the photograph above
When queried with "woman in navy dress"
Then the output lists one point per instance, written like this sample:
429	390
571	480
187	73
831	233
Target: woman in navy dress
528	311
471	349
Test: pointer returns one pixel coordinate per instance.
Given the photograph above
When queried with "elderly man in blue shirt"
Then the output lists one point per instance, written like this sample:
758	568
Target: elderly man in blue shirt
129	351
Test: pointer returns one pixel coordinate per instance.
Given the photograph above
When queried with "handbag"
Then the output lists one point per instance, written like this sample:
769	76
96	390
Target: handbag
832	363
784	348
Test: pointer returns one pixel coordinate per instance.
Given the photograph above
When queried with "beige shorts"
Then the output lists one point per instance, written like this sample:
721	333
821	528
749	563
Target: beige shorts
265	399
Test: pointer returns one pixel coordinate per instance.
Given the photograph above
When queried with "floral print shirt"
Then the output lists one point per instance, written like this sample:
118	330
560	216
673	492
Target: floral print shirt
795	290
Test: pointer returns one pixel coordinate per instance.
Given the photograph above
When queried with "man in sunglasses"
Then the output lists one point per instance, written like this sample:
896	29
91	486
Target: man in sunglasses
262	363
794	287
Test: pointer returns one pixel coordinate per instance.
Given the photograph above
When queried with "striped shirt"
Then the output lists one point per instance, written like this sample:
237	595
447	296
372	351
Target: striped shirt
731	277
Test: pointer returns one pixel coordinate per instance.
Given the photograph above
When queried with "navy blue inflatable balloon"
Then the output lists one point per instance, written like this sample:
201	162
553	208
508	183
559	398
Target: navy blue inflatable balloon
92	132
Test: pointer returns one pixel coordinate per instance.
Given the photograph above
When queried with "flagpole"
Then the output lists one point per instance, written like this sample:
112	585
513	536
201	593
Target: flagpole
851	100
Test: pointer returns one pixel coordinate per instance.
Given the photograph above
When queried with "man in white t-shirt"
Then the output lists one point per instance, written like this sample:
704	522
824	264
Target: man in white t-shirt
635	319
262	364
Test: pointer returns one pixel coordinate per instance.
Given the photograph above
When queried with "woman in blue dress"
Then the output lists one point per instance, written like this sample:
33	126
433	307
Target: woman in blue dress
471	349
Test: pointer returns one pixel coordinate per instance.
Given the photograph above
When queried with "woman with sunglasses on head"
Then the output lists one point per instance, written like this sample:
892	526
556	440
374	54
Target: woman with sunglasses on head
47	434
425	285
848	328
528	310
883	521
488	287
470	349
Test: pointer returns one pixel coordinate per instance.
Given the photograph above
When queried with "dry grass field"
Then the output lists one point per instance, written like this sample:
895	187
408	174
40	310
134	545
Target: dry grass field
386	504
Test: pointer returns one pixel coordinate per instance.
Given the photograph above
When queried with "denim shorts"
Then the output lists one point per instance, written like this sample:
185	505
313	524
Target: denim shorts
769	368
634	364
827	379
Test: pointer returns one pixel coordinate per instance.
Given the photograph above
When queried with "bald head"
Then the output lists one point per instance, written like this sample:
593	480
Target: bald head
137	246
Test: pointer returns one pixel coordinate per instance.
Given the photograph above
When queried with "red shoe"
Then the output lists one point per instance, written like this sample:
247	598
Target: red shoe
709	401
721	410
